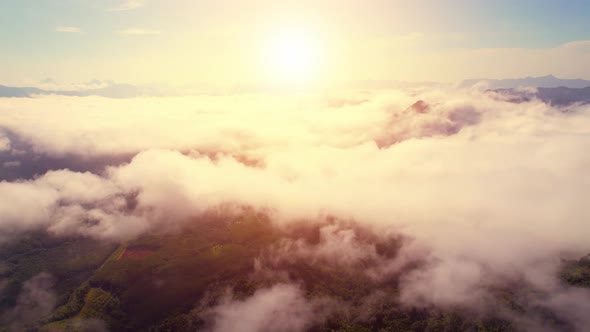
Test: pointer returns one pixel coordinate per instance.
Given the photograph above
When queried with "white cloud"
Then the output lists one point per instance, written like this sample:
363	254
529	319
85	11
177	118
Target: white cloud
4	143
282	307
68	29
124	5
489	190
12	163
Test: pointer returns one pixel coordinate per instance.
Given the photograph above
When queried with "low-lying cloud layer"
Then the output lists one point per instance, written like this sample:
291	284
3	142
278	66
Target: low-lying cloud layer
282	307
486	189
36	300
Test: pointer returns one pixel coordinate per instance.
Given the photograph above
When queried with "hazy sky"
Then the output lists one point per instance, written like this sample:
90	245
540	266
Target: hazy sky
226	42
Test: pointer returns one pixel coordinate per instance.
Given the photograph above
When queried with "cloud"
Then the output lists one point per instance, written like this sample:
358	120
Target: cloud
35	301
4	144
138	32
489	192
281	307
67	203
53	86
12	163
123	5
68	29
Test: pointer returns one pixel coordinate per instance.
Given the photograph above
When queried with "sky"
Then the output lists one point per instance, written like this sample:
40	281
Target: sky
222	42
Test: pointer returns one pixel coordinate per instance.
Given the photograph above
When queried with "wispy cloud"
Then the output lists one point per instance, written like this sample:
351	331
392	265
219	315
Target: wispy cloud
126	5
68	29
136	31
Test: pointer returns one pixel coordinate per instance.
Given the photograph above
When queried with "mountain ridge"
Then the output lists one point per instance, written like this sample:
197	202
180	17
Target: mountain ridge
547	81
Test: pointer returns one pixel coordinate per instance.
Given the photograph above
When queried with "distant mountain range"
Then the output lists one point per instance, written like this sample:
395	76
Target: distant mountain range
548	81
549	89
560	96
112	90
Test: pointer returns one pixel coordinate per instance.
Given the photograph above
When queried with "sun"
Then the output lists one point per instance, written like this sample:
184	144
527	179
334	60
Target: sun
293	56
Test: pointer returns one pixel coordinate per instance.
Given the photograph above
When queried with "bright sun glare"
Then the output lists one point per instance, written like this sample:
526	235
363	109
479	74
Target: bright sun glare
293	56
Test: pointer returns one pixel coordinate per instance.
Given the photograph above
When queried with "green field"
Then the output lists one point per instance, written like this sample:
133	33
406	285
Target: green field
154	283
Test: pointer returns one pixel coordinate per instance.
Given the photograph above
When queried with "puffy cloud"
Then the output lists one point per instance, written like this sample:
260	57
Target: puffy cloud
488	190
281	307
24	207
65	203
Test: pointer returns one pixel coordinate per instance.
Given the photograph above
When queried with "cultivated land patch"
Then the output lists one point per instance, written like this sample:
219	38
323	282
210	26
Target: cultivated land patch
136	252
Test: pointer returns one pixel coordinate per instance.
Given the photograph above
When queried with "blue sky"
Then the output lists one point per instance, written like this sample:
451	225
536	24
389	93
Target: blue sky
127	39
